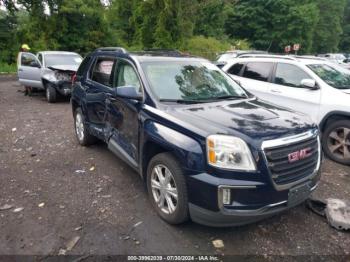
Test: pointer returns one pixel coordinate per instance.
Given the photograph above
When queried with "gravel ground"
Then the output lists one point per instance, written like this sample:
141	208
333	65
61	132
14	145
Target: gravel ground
80	200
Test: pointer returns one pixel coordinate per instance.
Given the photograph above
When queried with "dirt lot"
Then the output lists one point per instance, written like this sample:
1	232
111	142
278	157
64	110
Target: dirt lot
69	191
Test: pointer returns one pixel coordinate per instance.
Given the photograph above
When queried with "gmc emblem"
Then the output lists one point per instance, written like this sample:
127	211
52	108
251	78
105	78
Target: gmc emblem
299	155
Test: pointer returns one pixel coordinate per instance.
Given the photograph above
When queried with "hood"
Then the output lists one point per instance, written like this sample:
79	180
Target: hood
253	120
72	68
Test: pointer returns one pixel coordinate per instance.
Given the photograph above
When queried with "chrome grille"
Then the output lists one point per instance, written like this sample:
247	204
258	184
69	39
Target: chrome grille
284	171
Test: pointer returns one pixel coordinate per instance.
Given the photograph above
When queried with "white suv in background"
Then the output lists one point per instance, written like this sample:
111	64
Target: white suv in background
312	86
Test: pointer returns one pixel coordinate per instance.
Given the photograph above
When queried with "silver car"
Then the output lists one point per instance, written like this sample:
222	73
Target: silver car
51	71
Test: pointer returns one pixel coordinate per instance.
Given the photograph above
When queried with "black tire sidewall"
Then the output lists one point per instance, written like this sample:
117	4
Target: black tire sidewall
328	130
181	213
52	93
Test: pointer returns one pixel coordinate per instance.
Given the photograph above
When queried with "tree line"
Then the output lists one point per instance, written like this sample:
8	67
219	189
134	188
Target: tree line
201	27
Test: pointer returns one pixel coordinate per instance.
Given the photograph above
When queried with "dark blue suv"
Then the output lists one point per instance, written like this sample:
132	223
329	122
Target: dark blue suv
206	148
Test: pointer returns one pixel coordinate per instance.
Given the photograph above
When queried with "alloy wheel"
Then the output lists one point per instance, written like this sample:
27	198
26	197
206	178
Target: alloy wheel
339	143
79	126
164	189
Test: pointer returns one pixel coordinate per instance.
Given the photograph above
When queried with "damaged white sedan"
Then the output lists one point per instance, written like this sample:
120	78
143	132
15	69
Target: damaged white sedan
52	71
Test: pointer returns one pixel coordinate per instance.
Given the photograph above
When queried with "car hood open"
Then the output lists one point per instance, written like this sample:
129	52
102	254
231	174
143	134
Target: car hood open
72	68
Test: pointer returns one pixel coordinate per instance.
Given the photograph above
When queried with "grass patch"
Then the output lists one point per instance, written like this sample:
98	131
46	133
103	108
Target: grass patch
7	69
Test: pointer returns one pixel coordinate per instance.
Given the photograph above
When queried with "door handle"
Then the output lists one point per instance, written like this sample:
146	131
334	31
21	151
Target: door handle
275	91
20	70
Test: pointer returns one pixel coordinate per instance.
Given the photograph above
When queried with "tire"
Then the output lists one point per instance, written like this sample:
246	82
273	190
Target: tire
336	141
83	136
51	93
161	162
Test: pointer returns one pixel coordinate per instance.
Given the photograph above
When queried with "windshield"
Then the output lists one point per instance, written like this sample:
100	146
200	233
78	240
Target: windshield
190	81
60	59
335	77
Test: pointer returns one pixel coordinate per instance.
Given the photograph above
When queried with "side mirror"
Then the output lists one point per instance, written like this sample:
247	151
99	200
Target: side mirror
309	83
128	92
35	64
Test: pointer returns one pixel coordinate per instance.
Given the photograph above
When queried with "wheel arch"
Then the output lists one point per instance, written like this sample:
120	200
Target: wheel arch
333	116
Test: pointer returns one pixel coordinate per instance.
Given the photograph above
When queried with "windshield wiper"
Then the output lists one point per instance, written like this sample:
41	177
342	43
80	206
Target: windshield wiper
181	101
229	97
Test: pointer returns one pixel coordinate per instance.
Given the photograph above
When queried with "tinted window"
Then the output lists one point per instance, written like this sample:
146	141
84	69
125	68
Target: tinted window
102	70
258	71
126	76
289	75
235	69
83	66
27	59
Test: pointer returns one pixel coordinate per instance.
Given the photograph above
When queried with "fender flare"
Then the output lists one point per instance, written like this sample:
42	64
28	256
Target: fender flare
330	114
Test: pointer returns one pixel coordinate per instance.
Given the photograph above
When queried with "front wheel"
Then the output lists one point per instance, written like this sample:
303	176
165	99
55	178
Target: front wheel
167	188
51	93
336	141
81	131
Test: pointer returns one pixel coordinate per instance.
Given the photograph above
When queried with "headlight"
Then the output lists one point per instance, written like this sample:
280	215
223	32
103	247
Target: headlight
229	152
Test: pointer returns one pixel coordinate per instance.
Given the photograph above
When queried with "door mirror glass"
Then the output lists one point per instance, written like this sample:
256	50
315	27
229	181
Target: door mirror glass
309	83
128	92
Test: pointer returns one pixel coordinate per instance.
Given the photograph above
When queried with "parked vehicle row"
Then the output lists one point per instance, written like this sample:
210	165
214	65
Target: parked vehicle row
206	148
313	86
51	71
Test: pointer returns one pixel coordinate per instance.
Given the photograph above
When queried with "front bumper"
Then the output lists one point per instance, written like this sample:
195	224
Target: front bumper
64	87
251	201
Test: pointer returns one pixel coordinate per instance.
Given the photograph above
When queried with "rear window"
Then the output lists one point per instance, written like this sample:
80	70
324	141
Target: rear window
236	69
102	71
258	71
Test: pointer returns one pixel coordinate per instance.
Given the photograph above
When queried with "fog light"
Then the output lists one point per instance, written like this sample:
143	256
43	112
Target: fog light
226	196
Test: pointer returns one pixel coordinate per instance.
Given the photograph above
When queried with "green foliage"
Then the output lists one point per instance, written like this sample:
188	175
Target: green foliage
210	18
345	37
206	47
7	68
272	24
328	29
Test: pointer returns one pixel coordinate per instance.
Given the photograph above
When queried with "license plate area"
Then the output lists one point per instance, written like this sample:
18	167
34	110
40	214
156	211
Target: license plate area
299	193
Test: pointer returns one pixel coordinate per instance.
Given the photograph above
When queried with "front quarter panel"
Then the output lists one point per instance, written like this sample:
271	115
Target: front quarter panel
187	150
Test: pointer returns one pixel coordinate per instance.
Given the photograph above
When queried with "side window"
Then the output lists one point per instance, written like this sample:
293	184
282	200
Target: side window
102	71
83	66
40	58
236	69
28	59
289	75
258	71
126	76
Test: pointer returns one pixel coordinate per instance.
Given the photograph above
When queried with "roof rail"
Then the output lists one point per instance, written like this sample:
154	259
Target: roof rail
267	56
311	57
111	49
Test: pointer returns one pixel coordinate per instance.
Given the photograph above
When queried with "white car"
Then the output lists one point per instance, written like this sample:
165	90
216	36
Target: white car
48	70
312	86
